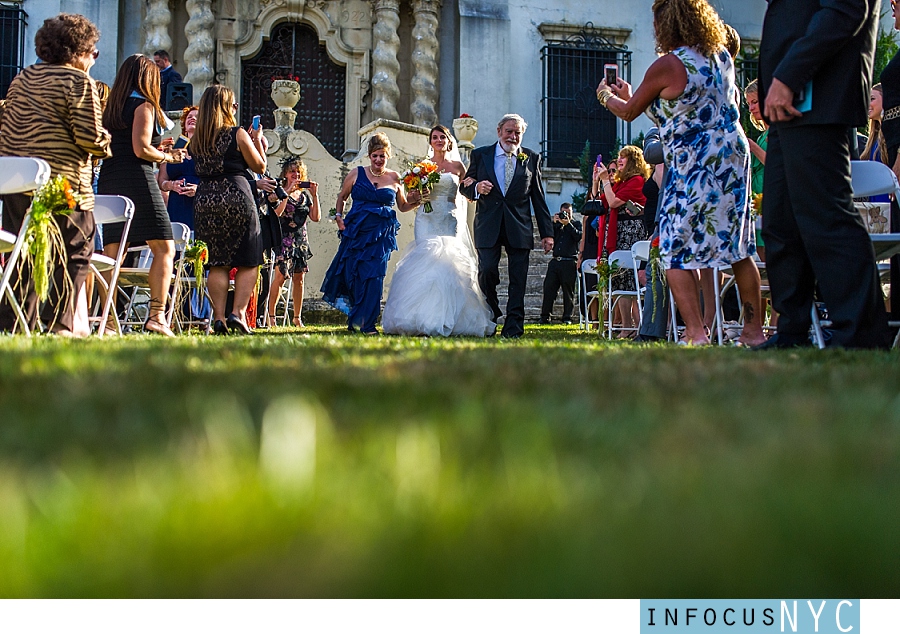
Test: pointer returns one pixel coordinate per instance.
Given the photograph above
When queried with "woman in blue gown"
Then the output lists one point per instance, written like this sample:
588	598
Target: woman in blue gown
354	282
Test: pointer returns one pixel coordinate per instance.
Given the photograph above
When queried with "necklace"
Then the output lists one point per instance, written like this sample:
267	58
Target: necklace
381	173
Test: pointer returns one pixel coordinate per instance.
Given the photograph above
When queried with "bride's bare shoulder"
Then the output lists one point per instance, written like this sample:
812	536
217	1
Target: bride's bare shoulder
457	168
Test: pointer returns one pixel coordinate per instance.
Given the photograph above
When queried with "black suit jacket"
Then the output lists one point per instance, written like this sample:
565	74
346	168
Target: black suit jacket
832	43
166	77
526	191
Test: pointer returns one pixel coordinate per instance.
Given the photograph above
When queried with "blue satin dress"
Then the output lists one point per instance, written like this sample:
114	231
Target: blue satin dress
354	282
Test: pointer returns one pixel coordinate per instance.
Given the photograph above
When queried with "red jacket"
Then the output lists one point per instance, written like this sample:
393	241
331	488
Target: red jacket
633	190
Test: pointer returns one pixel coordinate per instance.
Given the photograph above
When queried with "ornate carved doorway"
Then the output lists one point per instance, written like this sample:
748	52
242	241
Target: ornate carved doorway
294	51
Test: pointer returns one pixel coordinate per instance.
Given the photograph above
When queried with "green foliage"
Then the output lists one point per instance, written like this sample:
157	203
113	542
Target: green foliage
325	464
886	47
585	164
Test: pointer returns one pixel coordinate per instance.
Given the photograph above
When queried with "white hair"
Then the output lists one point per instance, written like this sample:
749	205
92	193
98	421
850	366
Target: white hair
513	117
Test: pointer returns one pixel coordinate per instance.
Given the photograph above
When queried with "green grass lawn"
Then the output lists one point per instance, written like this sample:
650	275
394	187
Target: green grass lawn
327	464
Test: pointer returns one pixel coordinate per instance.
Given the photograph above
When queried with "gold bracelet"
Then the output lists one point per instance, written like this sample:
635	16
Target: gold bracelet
604	96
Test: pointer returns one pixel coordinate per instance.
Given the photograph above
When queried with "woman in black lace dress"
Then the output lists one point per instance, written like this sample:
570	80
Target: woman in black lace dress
225	215
301	204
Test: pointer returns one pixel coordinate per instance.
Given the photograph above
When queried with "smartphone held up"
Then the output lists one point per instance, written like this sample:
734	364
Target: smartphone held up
611	74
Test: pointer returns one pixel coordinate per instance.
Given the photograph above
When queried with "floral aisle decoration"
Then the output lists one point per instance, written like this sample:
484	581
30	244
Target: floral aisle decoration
656	273
44	247
421	177
756	205
606	271
197	253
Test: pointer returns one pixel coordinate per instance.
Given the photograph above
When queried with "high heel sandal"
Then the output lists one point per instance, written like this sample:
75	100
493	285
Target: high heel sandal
219	328
236	325
158	327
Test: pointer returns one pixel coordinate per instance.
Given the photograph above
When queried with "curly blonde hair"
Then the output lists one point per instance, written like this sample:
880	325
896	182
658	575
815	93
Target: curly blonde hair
635	165
692	23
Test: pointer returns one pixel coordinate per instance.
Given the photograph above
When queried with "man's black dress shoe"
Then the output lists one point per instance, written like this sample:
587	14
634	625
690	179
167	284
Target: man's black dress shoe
780	341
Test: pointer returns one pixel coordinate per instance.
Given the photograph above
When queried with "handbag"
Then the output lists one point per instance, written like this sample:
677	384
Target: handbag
594	207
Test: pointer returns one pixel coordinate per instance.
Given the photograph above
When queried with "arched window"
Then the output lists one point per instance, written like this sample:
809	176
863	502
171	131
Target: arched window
293	50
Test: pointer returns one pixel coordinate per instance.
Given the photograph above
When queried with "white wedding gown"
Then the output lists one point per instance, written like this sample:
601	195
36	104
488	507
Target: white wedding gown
435	290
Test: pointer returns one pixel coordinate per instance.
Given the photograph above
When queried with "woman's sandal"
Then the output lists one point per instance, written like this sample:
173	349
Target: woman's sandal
157	327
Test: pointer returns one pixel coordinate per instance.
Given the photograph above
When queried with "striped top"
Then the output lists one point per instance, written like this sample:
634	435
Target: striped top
53	112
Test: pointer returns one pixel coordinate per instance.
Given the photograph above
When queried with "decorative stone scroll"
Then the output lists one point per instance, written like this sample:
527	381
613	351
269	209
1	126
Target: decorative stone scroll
425	62
386	68
199	31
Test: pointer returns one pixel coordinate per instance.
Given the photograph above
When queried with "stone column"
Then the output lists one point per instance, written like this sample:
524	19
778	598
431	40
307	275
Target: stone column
386	68
156	27
201	45
425	62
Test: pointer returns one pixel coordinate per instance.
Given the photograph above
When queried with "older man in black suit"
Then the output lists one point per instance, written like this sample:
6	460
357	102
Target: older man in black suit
815	69
505	178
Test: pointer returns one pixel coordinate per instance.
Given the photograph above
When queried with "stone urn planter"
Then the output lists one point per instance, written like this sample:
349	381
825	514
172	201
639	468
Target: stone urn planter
465	129
285	94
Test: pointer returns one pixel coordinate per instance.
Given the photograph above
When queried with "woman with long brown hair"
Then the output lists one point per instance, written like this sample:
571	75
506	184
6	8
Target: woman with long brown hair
225	214
704	219
134	118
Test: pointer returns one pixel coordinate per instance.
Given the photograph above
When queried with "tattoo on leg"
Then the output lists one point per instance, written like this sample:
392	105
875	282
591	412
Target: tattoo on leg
748	312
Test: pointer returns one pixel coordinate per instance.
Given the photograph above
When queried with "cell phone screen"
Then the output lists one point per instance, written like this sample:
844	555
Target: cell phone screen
611	73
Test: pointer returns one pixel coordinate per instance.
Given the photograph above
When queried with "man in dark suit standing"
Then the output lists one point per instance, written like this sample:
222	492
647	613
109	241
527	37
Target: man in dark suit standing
505	178
811	229
167	75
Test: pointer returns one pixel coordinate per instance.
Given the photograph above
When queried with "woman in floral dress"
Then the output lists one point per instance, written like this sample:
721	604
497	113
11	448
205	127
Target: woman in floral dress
704	218
292	262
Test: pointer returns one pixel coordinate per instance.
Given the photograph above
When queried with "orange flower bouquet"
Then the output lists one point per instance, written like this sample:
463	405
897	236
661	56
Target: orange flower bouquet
421	177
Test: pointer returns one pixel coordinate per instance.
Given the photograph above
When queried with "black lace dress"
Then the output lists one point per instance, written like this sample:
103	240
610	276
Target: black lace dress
225	215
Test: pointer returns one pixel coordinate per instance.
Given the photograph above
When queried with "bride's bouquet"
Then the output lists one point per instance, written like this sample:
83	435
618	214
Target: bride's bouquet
422	176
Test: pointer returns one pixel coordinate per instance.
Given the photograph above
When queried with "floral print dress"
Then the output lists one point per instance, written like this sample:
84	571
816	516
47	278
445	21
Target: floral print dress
295	251
704	218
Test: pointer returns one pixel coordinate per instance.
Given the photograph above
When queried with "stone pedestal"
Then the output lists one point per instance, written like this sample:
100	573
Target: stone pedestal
465	129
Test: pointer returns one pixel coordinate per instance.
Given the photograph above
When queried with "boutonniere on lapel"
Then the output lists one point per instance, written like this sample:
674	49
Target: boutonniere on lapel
523	158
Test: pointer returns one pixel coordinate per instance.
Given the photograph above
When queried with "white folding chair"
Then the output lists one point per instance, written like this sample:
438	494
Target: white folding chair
109	209
591	295
867	178
640	252
18	175
626	262
138	277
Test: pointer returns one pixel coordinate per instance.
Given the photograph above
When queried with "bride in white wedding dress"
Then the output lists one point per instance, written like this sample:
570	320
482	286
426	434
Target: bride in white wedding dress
434	290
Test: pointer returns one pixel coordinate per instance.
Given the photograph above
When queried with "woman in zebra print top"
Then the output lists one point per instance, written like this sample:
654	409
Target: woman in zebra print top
53	112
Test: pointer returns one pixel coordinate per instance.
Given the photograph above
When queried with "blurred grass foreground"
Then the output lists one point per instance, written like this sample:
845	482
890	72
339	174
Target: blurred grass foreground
322	464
